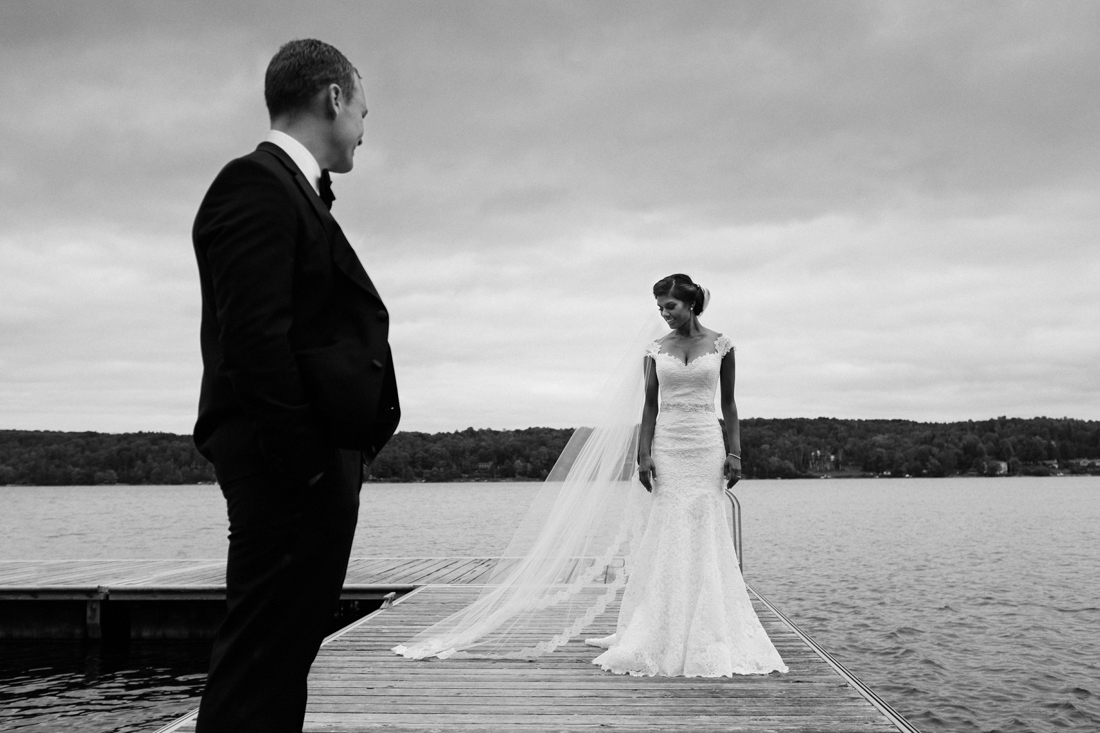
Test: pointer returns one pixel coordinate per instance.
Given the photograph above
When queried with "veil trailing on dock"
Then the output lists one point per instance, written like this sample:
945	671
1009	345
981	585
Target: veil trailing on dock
570	555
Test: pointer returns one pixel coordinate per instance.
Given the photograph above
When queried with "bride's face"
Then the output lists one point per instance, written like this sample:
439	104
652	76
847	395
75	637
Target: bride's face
675	312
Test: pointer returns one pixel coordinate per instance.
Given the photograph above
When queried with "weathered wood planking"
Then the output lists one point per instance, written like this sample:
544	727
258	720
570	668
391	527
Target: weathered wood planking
358	684
398	571
113	573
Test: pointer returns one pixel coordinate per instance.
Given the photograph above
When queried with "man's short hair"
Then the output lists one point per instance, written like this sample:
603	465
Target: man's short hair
302	68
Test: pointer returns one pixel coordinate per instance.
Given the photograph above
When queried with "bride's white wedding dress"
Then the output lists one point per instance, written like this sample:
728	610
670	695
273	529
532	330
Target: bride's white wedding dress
685	610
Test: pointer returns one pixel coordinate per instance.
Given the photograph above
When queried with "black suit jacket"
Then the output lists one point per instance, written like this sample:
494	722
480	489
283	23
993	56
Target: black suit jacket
296	360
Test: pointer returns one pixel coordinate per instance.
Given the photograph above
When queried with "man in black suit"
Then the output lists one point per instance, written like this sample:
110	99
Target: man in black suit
298	387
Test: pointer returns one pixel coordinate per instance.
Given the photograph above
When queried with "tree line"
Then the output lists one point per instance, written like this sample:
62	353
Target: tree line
771	448
793	447
47	458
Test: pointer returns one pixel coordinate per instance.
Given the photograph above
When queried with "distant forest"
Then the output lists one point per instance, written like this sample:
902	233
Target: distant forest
771	448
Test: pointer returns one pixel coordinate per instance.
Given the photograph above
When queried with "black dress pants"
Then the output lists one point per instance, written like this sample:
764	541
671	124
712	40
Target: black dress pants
288	553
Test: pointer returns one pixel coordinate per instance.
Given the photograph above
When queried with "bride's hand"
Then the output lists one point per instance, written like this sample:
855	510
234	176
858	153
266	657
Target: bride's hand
732	471
646	472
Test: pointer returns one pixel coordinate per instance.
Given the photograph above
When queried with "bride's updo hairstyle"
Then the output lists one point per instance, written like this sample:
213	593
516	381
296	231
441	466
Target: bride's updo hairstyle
682	288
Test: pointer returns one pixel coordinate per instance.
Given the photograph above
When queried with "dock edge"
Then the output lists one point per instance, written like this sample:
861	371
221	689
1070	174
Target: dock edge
893	716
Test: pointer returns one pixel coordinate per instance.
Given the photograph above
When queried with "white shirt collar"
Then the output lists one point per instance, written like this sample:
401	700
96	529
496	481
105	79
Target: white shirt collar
300	154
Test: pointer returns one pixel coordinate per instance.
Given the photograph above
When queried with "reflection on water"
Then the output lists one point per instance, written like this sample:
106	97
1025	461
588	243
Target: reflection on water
78	686
968	604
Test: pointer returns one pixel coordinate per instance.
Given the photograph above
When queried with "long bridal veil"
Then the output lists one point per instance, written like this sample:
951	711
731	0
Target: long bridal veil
570	555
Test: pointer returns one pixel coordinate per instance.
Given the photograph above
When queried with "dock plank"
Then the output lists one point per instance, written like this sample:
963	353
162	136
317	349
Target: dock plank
395	570
398	571
357	684
188	574
76	572
361	568
462	567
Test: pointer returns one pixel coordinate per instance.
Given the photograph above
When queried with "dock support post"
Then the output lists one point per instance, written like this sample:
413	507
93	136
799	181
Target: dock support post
93	613
93	617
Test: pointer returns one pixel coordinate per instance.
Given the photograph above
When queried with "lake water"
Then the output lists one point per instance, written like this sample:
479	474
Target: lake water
968	604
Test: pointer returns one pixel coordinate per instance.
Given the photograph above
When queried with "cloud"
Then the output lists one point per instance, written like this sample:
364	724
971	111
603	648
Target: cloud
893	203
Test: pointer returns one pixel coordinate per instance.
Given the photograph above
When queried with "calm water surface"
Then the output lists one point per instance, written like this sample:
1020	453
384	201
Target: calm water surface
968	604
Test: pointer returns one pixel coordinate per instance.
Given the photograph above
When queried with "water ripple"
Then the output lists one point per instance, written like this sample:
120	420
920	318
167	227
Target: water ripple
965	603
83	687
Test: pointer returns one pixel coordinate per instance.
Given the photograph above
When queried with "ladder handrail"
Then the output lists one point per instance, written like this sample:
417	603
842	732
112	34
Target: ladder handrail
735	527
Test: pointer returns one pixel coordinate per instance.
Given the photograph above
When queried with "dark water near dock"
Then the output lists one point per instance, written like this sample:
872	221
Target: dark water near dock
78	686
968	604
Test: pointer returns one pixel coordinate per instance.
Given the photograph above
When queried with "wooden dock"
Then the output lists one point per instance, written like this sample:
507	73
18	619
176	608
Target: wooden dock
135	574
357	684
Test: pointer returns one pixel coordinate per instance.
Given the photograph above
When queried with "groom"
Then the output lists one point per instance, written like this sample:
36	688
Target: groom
298	387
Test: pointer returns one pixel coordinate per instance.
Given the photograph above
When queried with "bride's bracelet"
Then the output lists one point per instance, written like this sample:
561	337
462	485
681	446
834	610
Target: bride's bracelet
734	455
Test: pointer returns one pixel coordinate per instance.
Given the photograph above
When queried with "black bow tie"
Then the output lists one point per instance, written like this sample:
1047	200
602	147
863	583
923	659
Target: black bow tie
324	187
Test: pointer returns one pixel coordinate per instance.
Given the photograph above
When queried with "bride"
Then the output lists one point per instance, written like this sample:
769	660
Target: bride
592	531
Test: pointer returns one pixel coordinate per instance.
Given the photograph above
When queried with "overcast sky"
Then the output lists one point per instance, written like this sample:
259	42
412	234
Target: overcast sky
896	206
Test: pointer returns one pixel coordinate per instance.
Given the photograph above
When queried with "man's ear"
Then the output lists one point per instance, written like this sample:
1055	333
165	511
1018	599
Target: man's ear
334	99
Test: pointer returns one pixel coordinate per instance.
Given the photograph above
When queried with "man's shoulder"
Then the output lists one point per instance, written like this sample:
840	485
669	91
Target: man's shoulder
257	169
255	179
263	158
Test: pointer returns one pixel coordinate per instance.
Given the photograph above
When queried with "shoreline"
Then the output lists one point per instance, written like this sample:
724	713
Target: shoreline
808	477
773	448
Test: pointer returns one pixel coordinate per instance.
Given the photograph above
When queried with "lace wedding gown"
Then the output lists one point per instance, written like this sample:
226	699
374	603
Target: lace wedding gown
685	610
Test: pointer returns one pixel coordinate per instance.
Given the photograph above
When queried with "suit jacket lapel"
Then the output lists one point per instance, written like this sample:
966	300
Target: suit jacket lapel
342	253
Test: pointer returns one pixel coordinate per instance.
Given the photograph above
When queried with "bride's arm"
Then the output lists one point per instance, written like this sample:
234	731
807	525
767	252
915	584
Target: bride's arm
646	469
726	376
